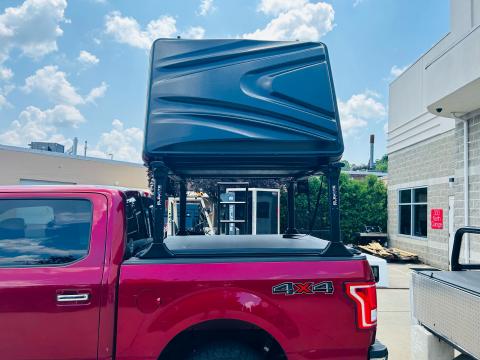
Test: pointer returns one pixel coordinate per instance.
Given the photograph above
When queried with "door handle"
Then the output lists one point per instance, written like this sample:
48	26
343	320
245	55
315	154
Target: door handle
66	298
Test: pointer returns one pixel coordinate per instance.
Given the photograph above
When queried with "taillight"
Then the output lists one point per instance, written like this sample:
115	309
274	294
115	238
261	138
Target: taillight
365	297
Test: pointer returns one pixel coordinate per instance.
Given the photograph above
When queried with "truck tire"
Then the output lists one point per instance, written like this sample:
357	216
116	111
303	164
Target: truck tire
225	350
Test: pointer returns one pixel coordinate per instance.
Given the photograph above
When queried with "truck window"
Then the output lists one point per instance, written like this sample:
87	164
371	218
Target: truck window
44	231
137	227
138	224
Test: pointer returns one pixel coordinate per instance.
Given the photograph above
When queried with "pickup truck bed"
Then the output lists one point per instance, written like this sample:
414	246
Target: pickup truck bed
448	304
160	299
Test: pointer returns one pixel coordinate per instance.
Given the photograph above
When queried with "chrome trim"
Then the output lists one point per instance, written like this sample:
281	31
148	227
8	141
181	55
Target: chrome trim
72	297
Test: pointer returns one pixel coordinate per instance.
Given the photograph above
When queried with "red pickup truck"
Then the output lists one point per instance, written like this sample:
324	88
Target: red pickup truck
86	273
71	288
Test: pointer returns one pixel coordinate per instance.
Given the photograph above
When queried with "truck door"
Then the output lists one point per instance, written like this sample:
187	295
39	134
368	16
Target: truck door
52	249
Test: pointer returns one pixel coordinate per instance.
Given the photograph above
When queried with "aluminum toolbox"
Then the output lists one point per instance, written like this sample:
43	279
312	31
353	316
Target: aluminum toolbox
238	107
448	304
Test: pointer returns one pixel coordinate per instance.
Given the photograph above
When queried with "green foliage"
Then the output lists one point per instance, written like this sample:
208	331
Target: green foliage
303	210
346	165
382	164
362	202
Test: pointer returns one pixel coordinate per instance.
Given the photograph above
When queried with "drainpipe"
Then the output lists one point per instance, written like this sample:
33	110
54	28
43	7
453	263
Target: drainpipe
466	197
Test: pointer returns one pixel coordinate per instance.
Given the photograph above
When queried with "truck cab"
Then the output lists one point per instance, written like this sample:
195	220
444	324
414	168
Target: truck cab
60	251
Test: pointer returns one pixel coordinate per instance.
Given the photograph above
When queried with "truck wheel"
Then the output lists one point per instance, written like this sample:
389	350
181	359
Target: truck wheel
225	350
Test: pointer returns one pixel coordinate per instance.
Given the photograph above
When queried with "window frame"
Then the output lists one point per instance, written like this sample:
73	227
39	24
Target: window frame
411	204
87	253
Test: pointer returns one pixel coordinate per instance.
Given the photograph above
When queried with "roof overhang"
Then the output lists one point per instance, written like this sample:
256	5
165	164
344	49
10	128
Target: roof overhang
452	77
462	101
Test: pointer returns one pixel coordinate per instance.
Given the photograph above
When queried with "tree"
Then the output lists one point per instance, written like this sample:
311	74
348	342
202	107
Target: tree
382	164
362	202
347	165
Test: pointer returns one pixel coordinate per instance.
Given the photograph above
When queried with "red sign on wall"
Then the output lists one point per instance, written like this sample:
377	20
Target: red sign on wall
436	218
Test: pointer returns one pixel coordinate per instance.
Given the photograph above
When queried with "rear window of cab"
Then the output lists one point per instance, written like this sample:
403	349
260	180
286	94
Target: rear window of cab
35	232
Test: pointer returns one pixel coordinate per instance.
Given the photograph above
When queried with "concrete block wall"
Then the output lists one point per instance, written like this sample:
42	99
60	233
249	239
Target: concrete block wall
429	163
474	178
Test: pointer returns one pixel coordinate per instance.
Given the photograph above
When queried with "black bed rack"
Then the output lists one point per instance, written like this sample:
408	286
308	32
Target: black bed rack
161	176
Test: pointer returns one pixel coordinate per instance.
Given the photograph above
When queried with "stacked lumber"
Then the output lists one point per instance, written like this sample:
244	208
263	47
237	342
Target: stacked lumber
389	254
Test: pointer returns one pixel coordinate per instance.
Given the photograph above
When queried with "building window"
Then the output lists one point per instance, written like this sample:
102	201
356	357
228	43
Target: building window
412	212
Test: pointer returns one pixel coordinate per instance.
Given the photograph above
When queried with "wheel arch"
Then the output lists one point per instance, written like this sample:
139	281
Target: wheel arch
223	329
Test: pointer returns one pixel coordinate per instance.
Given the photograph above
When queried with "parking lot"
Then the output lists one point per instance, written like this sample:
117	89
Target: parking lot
394	312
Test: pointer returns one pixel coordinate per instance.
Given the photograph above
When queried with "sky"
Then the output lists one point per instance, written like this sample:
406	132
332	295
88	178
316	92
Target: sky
79	68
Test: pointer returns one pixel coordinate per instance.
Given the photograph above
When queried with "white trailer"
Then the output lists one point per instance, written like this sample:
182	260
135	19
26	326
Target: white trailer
258	214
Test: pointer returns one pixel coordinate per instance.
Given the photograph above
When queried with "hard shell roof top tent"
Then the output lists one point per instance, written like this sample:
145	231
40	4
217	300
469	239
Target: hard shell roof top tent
241	108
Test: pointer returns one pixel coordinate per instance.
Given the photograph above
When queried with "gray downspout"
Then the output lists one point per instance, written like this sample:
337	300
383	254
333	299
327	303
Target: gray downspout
466	190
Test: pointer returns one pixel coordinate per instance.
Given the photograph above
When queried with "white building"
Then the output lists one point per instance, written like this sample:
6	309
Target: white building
21	166
434	112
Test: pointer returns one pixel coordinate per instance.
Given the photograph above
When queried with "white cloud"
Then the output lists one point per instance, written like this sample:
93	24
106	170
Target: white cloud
33	27
194	32
127	30
396	71
64	115
372	93
34	124
5	73
59	115
275	7
295	20
97	92
123	143
206	7
165	26
357	2
4	91
87	58
357	111
54	84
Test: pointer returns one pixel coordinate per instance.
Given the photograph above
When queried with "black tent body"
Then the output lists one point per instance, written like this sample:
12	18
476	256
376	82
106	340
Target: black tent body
241	109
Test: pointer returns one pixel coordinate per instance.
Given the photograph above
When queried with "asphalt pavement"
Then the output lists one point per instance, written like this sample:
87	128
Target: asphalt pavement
394	312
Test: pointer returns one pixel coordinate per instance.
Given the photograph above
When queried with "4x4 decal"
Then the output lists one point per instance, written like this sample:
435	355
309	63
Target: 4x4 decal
309	288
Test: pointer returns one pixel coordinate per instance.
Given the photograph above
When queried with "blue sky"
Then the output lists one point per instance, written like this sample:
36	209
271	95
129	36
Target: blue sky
79	68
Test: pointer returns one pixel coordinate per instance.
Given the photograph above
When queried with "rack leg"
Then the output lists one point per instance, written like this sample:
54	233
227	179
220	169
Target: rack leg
158	249
183	208
291	230
334	203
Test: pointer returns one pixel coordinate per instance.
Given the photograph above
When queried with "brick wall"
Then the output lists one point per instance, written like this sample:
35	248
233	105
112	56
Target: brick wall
474	179
429	163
